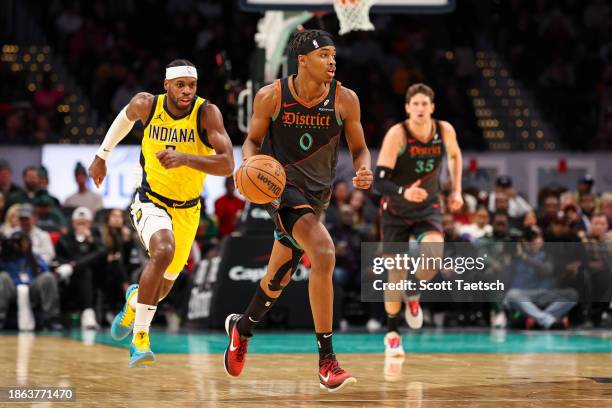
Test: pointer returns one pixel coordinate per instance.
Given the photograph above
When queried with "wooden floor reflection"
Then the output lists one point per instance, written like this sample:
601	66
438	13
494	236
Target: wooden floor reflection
100	377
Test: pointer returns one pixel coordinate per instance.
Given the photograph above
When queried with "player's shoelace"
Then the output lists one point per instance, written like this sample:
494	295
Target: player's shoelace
332	365
242	348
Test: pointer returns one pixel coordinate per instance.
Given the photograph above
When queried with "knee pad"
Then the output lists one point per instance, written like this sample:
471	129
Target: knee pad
285	271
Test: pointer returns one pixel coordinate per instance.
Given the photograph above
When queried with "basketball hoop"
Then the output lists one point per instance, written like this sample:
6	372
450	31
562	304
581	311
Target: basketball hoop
354	15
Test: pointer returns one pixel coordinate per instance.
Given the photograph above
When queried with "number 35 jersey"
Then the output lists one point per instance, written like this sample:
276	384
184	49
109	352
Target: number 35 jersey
417	161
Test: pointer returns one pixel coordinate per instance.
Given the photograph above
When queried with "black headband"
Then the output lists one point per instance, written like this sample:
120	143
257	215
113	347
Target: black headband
322	40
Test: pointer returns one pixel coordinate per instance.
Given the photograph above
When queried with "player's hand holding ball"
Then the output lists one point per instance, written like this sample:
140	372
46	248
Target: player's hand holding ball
363	178
415	193
260	179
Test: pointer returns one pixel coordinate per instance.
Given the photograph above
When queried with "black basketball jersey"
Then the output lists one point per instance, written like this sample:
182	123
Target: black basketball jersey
304	138
417	161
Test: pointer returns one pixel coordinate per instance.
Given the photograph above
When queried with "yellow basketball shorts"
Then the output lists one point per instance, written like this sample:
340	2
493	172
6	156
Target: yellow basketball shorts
150	215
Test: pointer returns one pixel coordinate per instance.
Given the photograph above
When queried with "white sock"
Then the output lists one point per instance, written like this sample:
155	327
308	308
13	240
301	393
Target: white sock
144	316
133	300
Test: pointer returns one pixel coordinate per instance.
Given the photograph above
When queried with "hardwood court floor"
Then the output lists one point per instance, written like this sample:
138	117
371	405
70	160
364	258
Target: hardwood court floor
100	377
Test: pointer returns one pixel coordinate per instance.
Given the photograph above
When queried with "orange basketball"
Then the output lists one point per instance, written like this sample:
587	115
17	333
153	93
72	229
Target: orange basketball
261	179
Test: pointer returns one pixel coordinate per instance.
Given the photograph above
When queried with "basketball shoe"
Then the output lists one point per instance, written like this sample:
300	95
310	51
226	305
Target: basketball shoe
331	377
140	350
414	314
235	353
124	321
393	345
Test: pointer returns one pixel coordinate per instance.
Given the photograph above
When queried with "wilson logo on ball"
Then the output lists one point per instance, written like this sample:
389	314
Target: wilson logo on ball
261	179
276	190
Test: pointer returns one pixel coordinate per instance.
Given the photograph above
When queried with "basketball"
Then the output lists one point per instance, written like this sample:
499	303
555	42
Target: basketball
261	179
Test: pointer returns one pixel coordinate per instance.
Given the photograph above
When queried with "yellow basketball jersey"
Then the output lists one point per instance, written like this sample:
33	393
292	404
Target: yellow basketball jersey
184	134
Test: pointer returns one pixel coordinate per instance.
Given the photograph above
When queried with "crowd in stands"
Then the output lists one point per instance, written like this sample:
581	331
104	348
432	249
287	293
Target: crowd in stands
78	257
562	49
29	117
114	52
559	49
93	254
554	259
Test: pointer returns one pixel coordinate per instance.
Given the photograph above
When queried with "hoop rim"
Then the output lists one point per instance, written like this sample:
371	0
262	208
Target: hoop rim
377	9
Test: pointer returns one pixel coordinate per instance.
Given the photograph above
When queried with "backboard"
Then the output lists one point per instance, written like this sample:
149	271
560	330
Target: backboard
381	6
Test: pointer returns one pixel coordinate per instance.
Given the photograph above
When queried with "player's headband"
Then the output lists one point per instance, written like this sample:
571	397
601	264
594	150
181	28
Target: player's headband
322	40
182	71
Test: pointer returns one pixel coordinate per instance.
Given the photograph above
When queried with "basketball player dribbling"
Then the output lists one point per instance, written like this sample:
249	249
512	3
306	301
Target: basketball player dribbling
407	175
306	114
184	140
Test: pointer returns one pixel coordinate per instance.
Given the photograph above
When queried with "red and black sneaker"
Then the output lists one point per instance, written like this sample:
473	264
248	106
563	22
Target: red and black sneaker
331	377
414	313
235	353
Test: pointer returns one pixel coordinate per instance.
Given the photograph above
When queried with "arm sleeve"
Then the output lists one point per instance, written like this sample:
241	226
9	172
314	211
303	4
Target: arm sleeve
383	184
120	127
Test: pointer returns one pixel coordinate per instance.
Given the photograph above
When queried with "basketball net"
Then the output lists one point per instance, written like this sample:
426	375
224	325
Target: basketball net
354	15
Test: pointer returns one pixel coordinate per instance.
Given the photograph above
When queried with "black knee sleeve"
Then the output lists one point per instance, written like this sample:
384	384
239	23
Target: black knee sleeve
276	283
